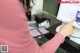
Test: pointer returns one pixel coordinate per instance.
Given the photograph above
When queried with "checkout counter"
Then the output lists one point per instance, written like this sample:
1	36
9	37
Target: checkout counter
68	44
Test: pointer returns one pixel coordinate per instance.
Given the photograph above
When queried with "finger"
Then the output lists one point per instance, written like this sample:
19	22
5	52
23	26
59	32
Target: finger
31	22
73	20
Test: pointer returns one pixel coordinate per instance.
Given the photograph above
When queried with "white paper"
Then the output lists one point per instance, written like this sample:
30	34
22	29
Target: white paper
67	12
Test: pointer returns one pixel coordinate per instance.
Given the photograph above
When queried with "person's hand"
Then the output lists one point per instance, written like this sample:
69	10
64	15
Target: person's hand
31	22
68	29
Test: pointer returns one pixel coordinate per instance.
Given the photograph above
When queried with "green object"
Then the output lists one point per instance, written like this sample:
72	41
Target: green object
51	6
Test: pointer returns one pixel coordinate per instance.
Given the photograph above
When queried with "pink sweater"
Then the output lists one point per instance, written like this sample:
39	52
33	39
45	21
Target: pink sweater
15	33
